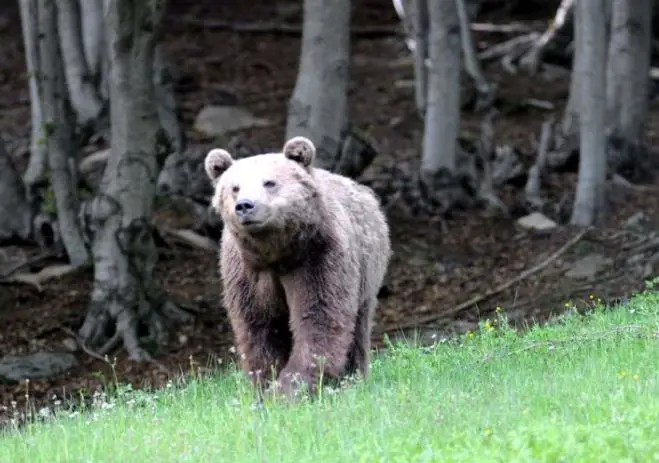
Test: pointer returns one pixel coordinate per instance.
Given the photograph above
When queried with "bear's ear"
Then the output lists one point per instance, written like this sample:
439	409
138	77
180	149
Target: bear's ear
217	162
300	150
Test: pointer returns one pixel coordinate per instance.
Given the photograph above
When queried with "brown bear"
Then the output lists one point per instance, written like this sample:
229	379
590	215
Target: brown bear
303	255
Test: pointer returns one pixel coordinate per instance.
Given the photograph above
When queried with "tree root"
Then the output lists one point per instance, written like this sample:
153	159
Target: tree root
132	326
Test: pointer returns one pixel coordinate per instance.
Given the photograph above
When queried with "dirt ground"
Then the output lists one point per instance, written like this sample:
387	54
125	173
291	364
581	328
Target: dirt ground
431	272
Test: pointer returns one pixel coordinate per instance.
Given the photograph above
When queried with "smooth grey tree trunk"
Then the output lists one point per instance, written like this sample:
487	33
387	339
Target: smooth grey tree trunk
93	36
628	67
442	121
168	111
59	137
15	213
569	127
318	108
36	169
486	91
420	19
83	94
126	291
590	194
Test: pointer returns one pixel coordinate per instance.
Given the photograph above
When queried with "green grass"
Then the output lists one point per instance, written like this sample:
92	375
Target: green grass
583	389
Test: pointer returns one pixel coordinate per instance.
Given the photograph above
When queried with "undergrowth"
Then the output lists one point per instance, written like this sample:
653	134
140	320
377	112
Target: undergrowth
582	388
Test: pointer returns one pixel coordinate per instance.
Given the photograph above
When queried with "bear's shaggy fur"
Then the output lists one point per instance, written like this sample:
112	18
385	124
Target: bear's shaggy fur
303	255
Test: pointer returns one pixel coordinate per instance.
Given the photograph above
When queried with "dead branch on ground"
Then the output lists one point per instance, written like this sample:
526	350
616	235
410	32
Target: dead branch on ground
37	279
433	317
531	59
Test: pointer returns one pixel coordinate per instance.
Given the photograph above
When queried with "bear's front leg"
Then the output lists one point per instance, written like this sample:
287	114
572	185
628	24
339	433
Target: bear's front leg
263	346
259	320
323	303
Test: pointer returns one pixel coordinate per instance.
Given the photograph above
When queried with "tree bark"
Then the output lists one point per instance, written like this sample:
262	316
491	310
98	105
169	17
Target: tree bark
168	110
318	108
125	289
58	121
36	169
15	213
590	195
421	27
442	121
569	128
485	90
84	98
93	36
628	67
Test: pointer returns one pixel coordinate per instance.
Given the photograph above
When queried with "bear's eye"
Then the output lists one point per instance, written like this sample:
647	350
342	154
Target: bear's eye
235	189
269	184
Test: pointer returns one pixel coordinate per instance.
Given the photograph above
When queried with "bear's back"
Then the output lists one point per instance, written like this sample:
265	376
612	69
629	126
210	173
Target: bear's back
357	211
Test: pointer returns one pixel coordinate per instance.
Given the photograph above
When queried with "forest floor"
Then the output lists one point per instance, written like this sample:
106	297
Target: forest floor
433	271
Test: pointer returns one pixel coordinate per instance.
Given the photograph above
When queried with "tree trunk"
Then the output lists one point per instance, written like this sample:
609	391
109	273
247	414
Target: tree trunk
168	110
628	68
590	195
15	213
569	128
126	293
420	20
58	121
485	91
318	108
93	36
82	92
36	169
442	121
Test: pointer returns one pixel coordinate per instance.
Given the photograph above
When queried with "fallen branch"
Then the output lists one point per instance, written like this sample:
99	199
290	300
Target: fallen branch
502	28
432	317
26	263
619	180
531	60
190	237
94	160
541	104
516	46
38	278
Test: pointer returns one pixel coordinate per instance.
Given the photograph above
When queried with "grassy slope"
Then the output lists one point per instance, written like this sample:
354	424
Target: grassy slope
582	389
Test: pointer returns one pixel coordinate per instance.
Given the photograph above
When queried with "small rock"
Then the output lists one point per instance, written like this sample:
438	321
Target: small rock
537	221
70	344
587	267
42	365
220	120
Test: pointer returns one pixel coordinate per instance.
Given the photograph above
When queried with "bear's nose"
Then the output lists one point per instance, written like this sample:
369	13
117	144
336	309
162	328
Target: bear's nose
244	207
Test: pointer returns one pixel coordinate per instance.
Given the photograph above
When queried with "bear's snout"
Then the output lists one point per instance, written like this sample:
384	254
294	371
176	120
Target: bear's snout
244	208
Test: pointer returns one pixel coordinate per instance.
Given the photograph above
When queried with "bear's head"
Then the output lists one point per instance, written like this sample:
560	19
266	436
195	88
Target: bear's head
266	193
